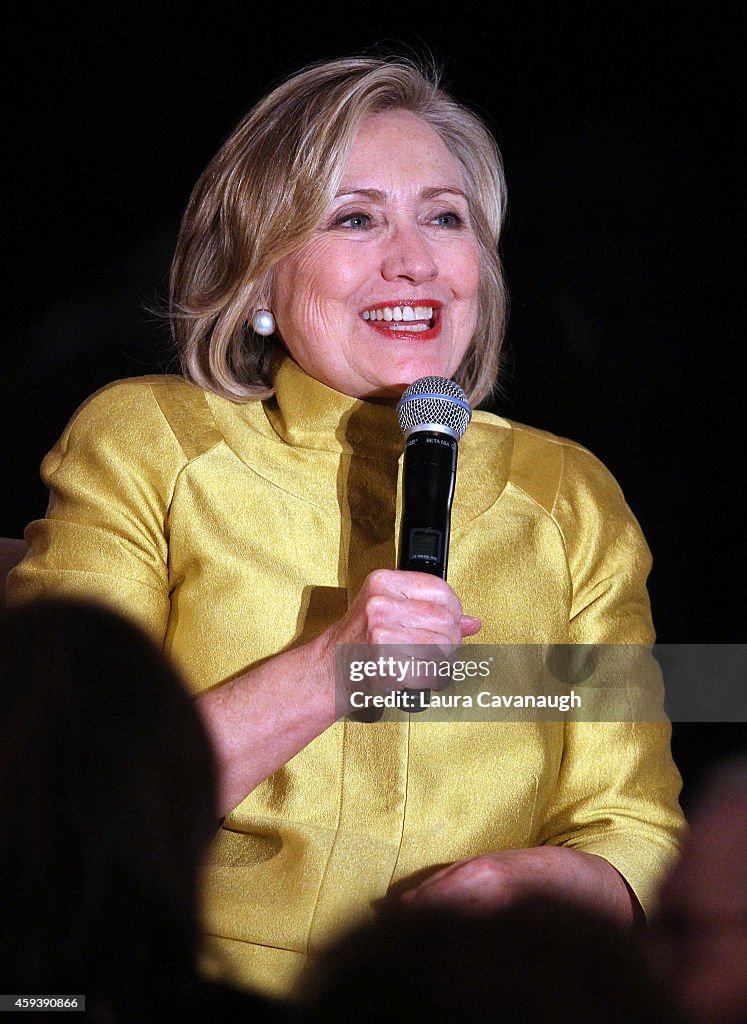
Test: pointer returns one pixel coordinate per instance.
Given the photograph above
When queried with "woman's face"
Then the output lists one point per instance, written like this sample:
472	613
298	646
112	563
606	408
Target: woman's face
386	289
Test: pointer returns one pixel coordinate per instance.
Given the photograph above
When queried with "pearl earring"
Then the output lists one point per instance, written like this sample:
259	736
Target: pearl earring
263	322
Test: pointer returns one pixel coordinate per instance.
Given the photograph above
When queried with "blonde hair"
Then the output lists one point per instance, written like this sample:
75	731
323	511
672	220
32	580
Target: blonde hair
267	188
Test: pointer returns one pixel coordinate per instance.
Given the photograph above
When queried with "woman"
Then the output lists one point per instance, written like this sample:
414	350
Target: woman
107	799
341	244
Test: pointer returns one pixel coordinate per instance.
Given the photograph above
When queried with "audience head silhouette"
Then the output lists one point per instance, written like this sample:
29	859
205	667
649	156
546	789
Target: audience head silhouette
540	960
699	938
107	797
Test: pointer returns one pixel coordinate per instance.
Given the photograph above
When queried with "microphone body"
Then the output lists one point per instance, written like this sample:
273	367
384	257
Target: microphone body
433	413
429	475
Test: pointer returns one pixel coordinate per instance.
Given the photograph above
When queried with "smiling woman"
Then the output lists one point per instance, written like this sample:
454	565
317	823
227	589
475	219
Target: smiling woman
366	160
342	243
397	241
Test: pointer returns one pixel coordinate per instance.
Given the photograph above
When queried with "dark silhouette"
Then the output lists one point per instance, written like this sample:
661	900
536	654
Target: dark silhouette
107	804
698	942
541	960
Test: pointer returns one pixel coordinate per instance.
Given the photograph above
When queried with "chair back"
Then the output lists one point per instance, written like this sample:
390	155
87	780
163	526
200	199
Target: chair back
12	550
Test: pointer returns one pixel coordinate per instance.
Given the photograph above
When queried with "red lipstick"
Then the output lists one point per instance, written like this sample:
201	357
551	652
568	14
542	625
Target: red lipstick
405	320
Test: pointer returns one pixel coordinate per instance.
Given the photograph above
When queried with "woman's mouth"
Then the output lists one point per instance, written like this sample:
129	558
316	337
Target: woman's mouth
405	321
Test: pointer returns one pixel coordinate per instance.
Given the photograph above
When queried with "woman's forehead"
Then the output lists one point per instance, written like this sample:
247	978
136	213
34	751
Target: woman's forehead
396	146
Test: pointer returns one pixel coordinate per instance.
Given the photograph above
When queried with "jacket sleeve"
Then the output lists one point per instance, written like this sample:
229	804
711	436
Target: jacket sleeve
105	536
618	788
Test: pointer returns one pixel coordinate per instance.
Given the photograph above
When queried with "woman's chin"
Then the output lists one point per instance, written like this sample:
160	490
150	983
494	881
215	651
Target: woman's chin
408	368
388	393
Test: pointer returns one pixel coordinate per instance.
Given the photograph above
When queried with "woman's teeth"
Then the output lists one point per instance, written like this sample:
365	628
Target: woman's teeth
403	315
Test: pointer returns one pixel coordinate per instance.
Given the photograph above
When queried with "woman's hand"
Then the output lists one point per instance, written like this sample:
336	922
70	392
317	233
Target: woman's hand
495	880
404	609
395	607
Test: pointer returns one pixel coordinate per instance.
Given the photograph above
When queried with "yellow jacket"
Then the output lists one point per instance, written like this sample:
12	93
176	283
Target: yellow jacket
231	532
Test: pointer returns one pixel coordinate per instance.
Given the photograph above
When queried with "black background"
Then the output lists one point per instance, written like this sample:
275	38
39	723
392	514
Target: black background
620	130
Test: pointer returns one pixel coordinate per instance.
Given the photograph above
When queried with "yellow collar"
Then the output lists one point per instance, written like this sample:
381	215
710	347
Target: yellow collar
307	414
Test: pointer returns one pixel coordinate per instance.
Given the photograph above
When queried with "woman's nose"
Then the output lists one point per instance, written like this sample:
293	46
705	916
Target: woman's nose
408	257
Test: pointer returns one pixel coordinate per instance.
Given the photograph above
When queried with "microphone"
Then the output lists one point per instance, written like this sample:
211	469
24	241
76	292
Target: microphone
433	414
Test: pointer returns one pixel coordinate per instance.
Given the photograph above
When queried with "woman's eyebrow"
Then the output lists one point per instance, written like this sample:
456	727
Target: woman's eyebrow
438	190
368	193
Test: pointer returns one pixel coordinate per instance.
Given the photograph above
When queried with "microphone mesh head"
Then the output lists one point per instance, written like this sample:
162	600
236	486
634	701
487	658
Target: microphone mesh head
436	403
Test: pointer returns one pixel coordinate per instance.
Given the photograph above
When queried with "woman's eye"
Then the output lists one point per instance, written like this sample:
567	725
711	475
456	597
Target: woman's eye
448	220
352	220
